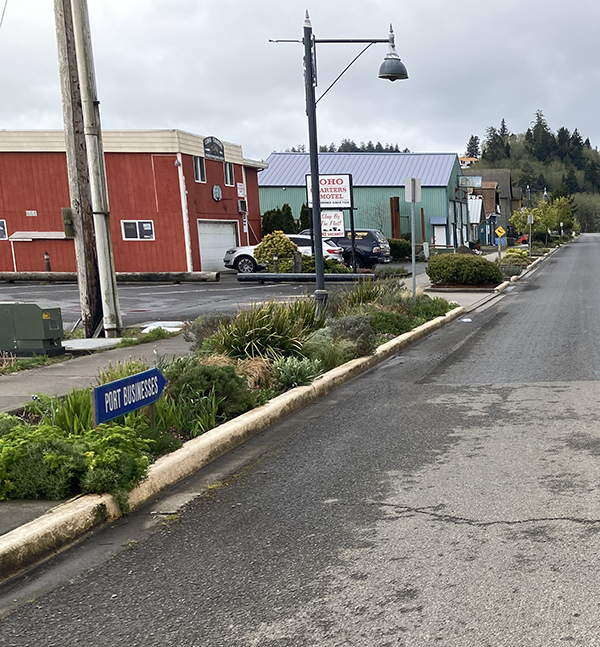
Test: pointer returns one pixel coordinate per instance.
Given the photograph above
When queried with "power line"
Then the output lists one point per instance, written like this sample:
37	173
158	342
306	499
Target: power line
3	12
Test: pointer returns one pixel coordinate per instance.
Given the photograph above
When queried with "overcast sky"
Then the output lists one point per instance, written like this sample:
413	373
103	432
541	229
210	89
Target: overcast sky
207	66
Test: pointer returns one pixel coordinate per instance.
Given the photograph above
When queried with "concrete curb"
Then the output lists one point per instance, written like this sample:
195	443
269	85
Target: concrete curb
60	526
122	277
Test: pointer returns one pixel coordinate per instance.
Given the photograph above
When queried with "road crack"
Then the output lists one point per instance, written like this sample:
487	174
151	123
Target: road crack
434	512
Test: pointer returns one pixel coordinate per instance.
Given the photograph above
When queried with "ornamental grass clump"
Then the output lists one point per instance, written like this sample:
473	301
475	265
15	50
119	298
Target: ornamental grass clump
271	330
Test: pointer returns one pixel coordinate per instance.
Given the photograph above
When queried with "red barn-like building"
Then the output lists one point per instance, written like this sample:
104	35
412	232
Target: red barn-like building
177	201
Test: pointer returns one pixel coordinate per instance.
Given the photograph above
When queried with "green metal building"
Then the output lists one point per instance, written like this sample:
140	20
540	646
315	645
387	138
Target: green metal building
441	217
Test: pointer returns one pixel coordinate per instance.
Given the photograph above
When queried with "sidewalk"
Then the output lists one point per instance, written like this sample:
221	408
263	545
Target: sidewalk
59	379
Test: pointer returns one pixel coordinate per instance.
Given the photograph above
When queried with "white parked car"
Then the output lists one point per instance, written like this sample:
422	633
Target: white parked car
242	259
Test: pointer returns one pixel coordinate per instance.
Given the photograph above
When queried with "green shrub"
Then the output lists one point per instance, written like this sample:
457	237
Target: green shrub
387	322
274	244
190	381
50	469
47	462
389	271
161	441
290	372
459	269
400	248
427	308
516	257
321	346
356	329
116	457
7	423
203	327
331	266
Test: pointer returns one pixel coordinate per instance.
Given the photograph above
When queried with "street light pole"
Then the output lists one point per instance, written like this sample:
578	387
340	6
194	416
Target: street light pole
310	82
391	69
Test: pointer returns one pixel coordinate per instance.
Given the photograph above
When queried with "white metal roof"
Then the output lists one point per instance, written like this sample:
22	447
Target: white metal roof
367	169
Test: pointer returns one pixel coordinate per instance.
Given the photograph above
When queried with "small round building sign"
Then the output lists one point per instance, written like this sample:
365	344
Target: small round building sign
217	193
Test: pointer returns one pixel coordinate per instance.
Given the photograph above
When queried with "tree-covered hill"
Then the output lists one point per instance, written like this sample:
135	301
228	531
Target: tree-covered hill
562	163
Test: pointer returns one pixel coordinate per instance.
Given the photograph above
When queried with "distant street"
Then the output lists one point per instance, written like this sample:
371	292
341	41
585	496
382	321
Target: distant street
448	497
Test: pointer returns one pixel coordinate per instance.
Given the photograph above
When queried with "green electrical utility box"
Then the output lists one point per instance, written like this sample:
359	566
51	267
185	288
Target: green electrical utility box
28	329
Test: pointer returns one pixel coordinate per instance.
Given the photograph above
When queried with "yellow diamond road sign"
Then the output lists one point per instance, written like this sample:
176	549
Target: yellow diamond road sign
500	232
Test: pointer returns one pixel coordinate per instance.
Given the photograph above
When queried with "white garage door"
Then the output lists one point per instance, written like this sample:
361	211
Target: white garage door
215	239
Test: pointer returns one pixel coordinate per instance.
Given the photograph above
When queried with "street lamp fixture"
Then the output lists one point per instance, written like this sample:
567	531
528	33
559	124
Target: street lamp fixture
392	69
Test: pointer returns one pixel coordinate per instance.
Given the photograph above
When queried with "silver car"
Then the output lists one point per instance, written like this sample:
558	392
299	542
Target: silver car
242	259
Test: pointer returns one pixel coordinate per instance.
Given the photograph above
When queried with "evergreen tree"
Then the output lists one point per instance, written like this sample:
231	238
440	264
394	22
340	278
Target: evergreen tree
591	176
348	146
493	147
288	222
571	181
527	176
540	139
473	147
576	149
304	218
563	137
280	219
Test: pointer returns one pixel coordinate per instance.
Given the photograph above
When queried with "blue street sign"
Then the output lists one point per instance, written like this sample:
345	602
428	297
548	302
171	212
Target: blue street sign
129	394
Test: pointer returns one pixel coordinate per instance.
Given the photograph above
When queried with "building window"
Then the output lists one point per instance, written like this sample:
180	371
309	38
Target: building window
3	232
229	180
31	214
137	229
199	169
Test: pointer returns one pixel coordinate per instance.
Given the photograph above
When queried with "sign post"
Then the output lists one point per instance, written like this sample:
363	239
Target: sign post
530	223
128	394
499	232
412	194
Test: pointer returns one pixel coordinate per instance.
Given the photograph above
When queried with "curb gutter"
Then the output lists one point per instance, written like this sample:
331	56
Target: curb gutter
54	530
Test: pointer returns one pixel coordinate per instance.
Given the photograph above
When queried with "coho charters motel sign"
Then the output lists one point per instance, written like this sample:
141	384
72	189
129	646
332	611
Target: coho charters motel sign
335	191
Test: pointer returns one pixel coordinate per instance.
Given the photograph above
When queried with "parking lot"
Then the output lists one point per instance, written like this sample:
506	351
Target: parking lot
141	303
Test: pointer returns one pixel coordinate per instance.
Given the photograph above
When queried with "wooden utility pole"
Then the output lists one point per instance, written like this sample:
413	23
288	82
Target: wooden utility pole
82	119
113	324
77	167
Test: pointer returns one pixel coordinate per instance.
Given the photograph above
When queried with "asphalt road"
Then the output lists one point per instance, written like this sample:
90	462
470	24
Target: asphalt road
448	497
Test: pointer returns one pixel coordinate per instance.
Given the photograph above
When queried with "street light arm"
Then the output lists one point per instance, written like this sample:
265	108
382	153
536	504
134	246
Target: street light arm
345	69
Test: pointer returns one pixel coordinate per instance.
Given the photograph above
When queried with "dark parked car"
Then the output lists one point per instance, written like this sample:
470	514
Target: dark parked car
371	245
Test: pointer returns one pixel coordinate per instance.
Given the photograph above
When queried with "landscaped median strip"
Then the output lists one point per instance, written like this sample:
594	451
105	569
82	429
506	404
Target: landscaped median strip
60	526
